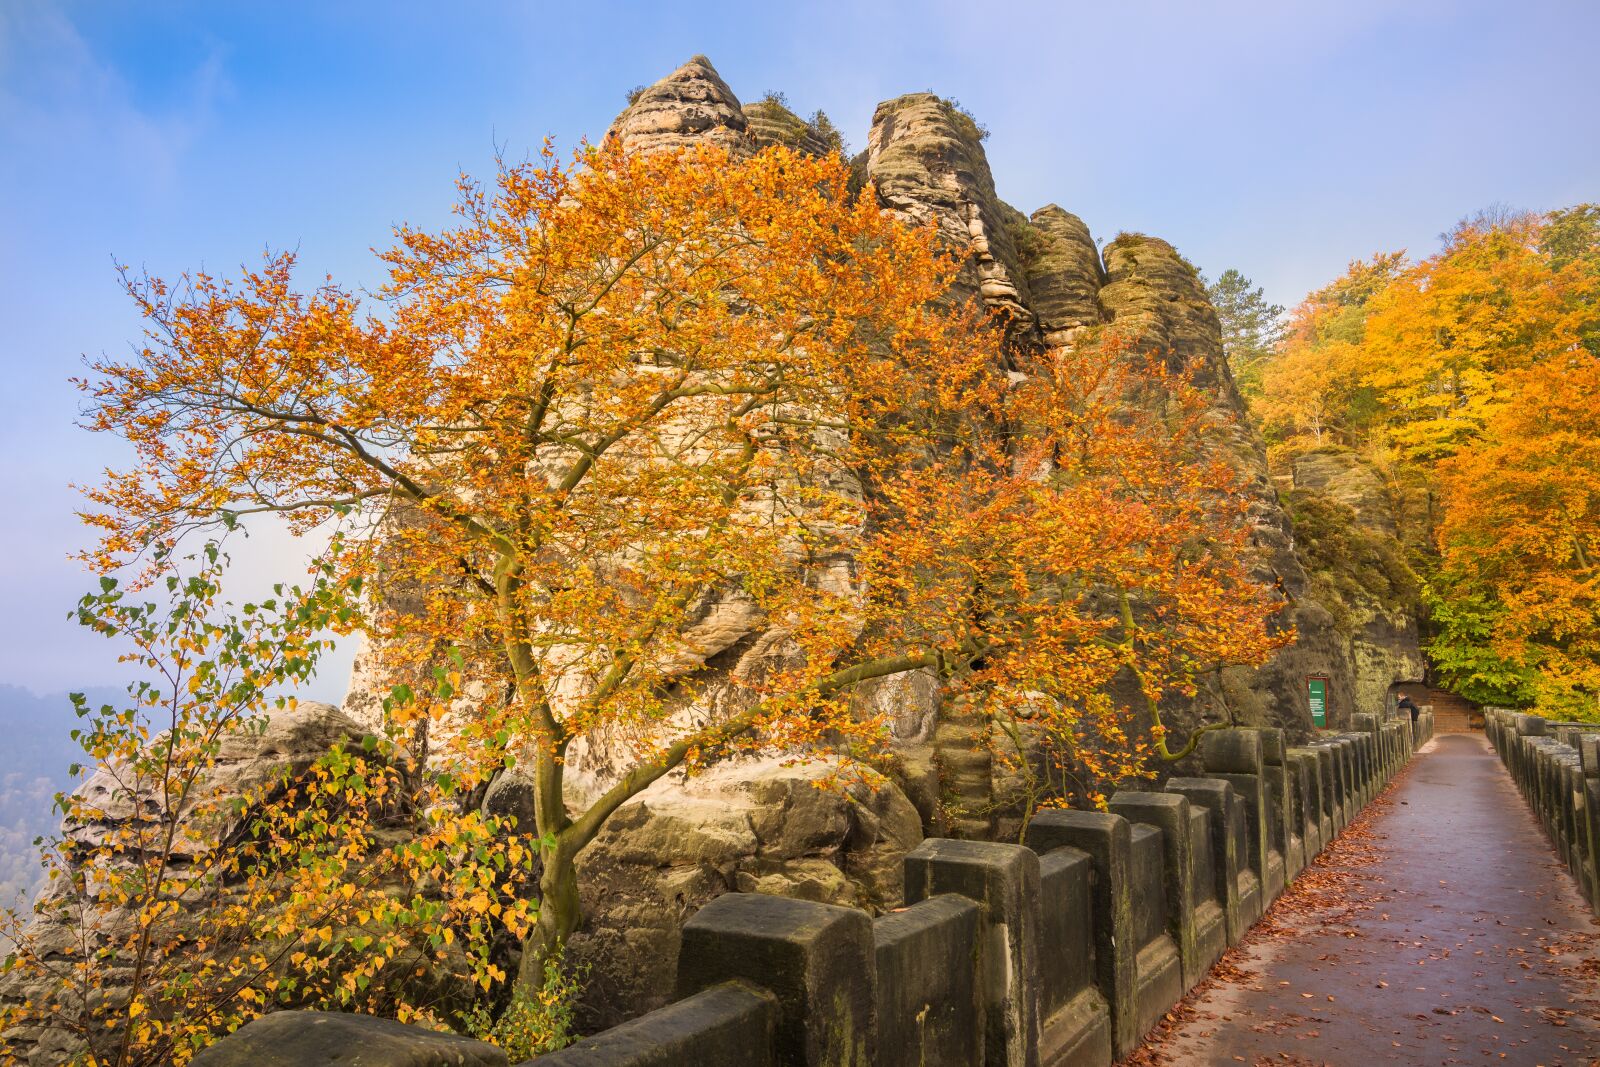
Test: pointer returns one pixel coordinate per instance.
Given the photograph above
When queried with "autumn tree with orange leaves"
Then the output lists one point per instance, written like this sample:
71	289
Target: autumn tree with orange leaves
623	391
1519	575
1462	378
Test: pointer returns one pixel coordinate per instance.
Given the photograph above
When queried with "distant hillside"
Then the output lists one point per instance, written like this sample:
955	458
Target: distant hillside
34	758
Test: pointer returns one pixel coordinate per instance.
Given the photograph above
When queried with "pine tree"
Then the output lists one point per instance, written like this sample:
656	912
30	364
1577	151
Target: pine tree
1251	327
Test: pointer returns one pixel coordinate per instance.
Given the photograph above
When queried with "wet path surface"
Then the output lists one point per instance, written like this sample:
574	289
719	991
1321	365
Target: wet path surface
1439	929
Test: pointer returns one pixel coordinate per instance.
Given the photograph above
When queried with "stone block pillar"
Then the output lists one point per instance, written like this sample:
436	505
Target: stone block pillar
1361	765
1235	756
1523	728
1284	835
817	959
1301	768
1216	796
1108	839
1589	823
1004	880
1332	782
1169	812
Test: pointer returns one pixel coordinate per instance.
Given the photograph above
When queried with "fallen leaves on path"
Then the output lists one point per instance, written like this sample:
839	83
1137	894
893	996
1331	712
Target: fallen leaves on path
1336	887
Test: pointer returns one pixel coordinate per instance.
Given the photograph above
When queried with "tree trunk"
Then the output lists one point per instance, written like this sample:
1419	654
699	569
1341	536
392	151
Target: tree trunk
559	914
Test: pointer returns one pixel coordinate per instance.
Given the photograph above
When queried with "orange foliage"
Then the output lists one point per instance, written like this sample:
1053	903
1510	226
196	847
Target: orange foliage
1465	375
1443	340
1522	526
1416	355
622	392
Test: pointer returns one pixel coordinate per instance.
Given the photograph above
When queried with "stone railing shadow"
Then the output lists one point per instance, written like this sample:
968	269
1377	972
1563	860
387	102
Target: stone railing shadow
1066	949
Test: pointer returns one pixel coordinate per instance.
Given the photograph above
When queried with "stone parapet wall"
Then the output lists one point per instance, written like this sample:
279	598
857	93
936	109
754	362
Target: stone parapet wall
1556	765
1063	950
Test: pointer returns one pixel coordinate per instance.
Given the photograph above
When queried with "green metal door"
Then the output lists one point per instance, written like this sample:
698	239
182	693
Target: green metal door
1317	690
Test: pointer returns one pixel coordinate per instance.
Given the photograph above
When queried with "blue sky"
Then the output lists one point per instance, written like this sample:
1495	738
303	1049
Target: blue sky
1284	138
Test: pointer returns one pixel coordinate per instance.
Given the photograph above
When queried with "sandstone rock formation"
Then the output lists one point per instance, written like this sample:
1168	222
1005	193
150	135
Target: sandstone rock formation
1153	294
1350	542
686	841
925	159
754	826
1064	273
692	105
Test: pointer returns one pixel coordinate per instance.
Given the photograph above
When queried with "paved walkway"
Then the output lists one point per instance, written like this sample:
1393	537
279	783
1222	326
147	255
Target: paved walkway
1440	929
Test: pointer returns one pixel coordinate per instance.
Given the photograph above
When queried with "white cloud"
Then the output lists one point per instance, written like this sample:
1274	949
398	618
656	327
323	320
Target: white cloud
65	109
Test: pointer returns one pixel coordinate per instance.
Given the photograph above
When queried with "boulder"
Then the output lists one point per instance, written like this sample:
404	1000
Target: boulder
752	825
511	794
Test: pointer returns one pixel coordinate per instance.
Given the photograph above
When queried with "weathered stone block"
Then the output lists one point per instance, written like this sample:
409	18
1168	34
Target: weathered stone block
1074	1017
1328	775
1216	797
1108	840
1252	894
1210	925
1344	750
728	1025
817	959
1362	762
1236	757
1283	835
317	1038
1169	812
1358	761
1233	751
1589	814
1313	766
1004	880
1301	768
930	1012
1570	779
1158	969
1541	790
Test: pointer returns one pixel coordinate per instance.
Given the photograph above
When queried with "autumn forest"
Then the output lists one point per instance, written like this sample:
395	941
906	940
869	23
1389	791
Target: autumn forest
1467	378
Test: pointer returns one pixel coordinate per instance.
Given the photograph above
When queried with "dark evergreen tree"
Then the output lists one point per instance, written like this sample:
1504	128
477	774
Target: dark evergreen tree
1251	326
